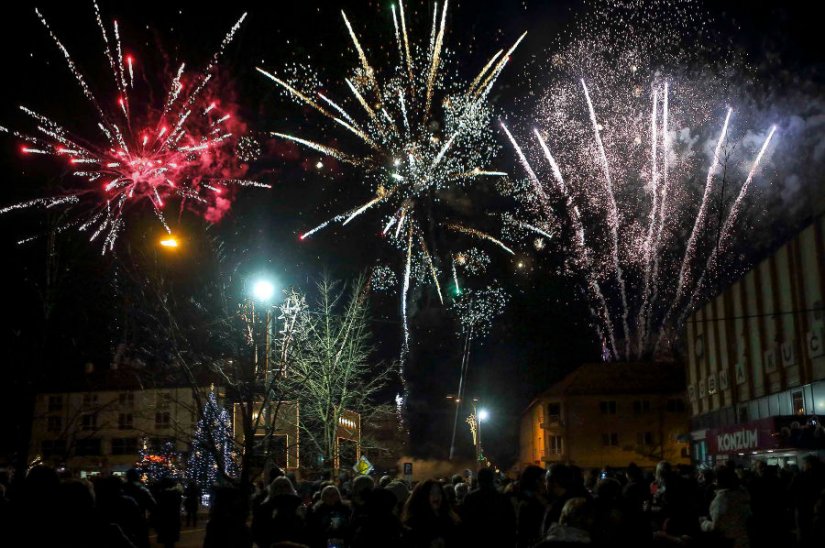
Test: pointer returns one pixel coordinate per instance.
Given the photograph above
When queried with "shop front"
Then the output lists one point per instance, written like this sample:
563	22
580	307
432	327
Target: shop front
781	441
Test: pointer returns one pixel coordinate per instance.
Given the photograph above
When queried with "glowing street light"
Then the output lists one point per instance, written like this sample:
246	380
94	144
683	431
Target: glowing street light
263	290
483	415
170	242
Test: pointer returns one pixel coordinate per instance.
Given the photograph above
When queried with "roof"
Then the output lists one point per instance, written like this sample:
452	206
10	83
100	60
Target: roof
596	379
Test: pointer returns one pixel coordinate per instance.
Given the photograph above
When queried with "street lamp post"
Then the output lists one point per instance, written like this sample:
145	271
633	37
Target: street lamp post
263	290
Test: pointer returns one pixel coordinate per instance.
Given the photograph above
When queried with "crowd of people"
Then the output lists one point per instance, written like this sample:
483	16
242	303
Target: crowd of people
729	506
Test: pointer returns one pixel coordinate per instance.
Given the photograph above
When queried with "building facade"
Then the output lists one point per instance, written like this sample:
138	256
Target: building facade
94	431
609	415
756	360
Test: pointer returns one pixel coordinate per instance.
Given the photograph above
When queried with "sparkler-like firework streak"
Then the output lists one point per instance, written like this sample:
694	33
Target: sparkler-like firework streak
146	154
582	251
421	131
628	106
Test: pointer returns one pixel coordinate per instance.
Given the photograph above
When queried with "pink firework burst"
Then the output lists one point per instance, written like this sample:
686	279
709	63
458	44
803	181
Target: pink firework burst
145	153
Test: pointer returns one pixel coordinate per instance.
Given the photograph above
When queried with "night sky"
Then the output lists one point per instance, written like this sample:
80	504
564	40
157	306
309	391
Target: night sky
543	332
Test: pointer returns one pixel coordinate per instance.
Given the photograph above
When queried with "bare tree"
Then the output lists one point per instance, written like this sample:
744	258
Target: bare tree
200	328
331	370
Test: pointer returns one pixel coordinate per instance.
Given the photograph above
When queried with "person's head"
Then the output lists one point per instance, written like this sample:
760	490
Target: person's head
461	491
559	479
810	461
330	495
456	479
577	512
385	480
132	475
760	467
726	478
449	493
486	478
609	490
281	486
275	472
530	480
663	469
361	486
426	502
399	490
633	473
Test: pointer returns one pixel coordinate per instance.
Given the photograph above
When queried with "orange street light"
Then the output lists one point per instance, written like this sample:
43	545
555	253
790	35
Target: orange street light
170	242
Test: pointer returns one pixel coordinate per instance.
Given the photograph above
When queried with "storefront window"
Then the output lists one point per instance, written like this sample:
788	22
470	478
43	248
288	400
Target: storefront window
798	403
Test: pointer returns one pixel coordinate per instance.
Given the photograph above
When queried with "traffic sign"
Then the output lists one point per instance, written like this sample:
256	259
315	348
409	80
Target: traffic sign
363	466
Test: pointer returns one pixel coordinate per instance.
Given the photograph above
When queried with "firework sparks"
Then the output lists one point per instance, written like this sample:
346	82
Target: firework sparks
141	157
650	248
421	130
611	164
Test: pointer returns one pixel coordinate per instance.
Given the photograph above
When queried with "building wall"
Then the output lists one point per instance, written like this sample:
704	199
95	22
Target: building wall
531	439
107	407
644	435
764	335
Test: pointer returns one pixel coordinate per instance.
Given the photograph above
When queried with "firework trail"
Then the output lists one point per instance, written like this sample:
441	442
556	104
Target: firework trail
144	153
625	117
650	248
420	131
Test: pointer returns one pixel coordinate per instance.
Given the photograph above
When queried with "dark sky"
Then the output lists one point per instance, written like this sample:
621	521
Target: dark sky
542	334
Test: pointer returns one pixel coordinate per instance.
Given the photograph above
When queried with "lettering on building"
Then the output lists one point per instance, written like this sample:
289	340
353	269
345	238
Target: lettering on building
788	350
816	346
737	441
723	379
770	360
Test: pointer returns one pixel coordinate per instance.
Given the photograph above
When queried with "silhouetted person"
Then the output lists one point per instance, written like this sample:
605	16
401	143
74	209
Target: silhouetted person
487	515
428	519
192	503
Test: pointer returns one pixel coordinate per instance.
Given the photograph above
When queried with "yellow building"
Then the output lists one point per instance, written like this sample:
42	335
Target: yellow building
756	359
607	414
91	431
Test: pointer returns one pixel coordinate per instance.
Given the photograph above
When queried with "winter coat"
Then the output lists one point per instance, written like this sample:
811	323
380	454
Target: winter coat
730	513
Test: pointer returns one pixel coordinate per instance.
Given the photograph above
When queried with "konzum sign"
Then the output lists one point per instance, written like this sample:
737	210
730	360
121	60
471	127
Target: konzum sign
750	436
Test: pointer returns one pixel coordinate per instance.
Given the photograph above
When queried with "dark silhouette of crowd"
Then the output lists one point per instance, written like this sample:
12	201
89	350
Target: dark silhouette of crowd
726	507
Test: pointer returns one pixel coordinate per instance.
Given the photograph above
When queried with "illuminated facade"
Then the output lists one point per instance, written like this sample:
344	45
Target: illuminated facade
756	359
101	431
609	414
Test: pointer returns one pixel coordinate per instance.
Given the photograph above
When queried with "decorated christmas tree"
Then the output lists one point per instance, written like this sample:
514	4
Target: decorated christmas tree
211	446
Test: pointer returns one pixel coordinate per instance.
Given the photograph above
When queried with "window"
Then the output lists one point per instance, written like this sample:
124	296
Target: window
798	405
163	420
55	424
641	407
163	400
89	400
556	445
124	446
126	399
743	414
608	407
88	421
55	403
644	438
53	448
610	439
88	447
125	421
554	413
675	406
